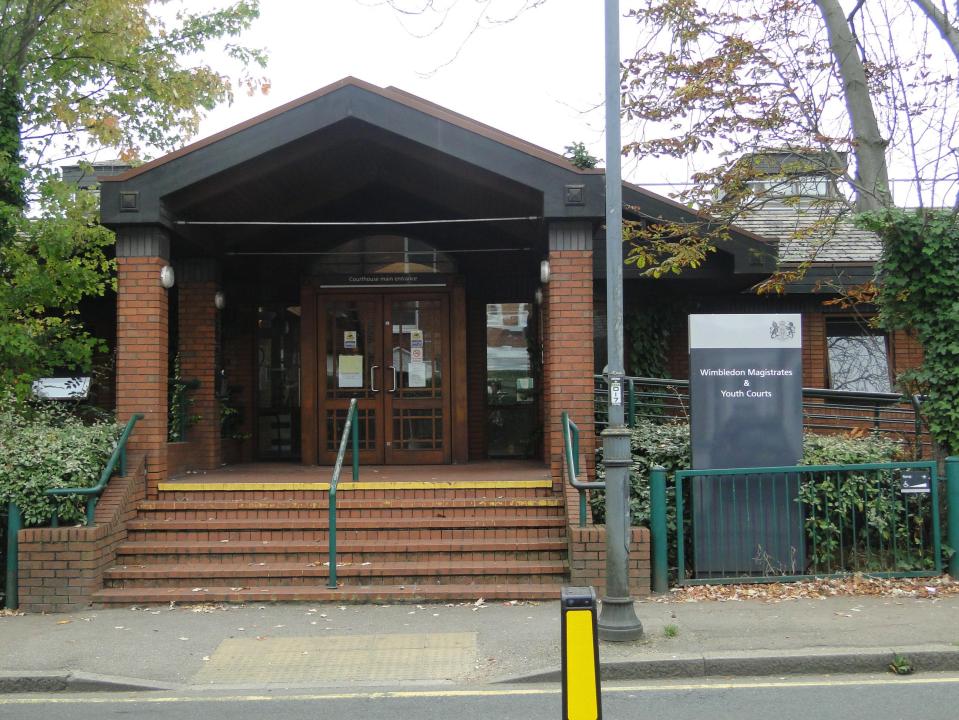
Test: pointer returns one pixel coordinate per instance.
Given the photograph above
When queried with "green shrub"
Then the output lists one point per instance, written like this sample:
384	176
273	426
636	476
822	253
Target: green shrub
846	450
843	512
45	446
651	444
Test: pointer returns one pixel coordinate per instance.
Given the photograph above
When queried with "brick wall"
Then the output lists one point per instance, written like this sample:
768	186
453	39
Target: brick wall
197	349
142	372
569	356
587	559
60	568
179	458
905	351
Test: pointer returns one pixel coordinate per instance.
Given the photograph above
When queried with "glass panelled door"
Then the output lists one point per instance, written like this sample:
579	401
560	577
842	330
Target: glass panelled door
391	352
350	366
415	404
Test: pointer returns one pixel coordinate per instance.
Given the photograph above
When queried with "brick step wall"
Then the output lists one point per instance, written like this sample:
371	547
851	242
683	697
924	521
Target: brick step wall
348	530
348	507
346	538
374	573
319	593
492	551
202	545
498	491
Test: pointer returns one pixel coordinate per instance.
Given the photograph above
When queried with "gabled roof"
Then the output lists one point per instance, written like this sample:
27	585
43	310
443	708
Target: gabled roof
389	111
753	252
261	159
390	93
812	233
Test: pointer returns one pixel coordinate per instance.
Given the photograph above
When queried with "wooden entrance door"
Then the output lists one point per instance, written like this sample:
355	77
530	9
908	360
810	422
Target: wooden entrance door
391	352
416	406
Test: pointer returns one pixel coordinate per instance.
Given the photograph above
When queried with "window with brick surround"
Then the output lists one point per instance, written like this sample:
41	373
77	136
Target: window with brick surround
857	356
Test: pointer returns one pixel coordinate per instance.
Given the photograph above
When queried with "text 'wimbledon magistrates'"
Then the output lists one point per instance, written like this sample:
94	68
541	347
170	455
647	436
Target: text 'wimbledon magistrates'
748	375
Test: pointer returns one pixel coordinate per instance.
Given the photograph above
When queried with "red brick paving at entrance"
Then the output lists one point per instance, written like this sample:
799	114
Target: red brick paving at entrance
491	471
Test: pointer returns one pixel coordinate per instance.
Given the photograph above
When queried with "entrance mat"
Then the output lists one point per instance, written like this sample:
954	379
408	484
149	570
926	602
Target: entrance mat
341	658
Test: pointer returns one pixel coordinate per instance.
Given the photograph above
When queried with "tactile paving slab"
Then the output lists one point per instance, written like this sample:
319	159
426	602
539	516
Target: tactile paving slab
345	658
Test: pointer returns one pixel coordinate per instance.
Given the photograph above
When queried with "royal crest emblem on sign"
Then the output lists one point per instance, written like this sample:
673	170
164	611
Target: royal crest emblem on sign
782	330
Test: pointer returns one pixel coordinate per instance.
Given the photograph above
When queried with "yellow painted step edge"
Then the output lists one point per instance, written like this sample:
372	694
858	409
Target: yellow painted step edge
383	485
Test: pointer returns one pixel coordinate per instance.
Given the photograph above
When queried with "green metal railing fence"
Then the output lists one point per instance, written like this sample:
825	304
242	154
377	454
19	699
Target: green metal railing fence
848	518
14	518
823	410
952	519
571	462
350	431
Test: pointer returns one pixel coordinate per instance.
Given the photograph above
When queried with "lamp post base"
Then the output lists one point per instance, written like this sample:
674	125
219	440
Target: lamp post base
618	622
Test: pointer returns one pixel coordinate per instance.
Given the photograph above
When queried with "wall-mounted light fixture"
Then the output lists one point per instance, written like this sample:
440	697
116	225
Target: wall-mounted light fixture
544	272
167	277
538	296
219	300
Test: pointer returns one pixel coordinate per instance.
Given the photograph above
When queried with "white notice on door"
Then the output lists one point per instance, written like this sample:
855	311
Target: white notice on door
350	371
417	374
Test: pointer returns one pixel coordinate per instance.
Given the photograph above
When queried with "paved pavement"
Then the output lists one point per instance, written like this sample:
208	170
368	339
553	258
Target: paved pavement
323	645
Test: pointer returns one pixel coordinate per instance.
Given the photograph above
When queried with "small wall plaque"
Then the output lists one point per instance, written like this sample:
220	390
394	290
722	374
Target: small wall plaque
915	482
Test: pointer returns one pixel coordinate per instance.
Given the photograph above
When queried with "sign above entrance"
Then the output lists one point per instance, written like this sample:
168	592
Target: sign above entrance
371	280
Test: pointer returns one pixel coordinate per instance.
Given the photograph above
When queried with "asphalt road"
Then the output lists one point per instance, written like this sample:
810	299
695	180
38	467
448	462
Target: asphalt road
928	697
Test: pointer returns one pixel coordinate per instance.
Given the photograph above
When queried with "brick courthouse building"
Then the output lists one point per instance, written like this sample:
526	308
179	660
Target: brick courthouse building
363	242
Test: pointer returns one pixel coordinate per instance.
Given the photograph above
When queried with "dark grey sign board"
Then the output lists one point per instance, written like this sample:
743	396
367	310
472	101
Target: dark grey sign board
916	482
745	385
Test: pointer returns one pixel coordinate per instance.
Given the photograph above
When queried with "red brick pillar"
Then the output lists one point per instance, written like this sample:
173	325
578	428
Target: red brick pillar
197	335
569	343
142	337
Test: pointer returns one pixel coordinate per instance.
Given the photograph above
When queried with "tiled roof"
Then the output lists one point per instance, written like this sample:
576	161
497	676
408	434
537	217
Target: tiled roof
812	232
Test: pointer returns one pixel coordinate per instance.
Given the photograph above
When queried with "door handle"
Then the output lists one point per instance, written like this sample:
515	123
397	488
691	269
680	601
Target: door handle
393	368
373	378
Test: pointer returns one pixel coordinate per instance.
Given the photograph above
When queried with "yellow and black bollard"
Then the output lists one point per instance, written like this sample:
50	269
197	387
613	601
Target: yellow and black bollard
580	651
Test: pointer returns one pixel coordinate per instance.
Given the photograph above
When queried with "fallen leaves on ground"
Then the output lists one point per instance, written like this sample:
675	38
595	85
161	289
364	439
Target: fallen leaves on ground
4	612
851	586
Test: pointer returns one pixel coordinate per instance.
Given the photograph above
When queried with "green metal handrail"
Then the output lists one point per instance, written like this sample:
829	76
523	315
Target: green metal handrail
930	466
571	458
350	430
119	457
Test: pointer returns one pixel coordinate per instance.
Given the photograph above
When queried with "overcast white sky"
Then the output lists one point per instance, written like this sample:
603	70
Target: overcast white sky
539	77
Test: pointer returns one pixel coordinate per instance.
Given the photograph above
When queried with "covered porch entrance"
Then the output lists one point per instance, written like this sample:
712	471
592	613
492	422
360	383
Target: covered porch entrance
356	242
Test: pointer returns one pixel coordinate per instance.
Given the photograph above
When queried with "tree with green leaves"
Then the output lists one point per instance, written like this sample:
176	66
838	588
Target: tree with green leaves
847	90
75	77
580	156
